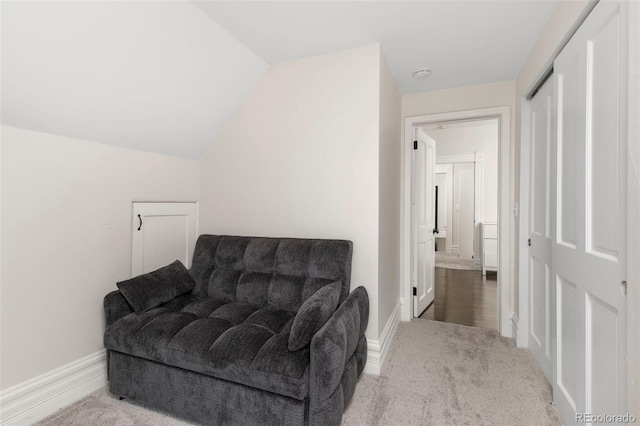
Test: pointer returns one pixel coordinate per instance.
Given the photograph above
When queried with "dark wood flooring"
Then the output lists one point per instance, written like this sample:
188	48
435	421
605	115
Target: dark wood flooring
464	297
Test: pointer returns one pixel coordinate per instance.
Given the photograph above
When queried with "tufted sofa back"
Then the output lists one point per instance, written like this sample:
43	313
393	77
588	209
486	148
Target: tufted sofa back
278	272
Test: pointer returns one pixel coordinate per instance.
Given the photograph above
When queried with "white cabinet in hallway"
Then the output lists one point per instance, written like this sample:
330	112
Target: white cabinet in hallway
489	247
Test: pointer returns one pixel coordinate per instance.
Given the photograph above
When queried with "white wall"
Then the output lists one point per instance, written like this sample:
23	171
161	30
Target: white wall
300	159
159	76
389	201
459	99
469	140
66	240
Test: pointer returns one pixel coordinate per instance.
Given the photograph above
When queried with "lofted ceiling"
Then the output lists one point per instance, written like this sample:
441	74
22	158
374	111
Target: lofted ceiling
463	42
165	76
153	76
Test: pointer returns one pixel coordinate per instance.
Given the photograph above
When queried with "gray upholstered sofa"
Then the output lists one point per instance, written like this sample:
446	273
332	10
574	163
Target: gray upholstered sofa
249	335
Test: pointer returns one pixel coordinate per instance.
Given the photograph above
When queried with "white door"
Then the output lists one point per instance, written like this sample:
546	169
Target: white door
441	211
464	177
540	265
424	221
445	206
589	245
162	233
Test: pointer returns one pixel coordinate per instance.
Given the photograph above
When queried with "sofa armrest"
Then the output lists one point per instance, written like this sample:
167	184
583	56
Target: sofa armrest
338	354
115	307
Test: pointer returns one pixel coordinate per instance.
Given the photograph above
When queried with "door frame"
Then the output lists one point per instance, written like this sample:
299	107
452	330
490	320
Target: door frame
522	339
505	200
478	195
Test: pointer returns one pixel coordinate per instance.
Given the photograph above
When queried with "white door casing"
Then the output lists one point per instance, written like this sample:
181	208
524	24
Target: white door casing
161	234
446	193
505	212
589	246
442	210
464	209
424	221
541	286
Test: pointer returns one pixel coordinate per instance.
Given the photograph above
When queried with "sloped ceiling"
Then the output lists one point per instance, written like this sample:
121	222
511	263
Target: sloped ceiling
463	42
154	76
165	76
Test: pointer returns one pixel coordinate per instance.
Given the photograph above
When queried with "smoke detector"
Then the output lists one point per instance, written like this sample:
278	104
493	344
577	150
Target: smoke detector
422	73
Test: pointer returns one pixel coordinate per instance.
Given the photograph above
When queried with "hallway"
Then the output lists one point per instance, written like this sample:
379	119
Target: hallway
448	374
464	297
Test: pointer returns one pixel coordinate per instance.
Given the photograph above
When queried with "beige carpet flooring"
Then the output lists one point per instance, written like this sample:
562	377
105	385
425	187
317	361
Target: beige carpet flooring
436	374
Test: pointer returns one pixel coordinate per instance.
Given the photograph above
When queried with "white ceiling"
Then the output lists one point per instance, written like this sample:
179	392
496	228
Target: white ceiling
464	42
153	76
165	76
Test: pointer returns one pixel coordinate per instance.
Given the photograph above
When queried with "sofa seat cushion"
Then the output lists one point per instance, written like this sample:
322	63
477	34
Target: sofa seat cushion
239	342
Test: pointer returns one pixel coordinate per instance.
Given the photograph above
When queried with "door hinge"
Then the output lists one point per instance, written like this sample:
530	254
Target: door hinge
623	287
529	242
415	144
415	291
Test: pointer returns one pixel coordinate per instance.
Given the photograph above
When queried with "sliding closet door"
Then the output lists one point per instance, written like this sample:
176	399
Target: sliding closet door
540	226
589	243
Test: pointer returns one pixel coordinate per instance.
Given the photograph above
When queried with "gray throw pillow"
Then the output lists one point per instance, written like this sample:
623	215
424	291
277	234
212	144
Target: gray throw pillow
313	314
150	290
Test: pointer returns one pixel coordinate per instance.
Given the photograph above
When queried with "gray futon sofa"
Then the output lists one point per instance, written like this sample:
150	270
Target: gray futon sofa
258	331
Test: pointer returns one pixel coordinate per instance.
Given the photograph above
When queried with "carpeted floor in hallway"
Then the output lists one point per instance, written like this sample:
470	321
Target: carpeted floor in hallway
436	374
449	374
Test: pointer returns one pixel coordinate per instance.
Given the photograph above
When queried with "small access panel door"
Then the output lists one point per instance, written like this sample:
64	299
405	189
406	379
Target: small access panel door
162	233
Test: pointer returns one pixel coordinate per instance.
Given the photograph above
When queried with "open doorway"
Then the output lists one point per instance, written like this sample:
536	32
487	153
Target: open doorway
471	194
466	171
455	215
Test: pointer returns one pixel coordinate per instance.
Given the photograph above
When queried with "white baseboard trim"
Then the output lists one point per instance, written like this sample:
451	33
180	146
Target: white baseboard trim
377	350
37	398
514	326
477	263
405	310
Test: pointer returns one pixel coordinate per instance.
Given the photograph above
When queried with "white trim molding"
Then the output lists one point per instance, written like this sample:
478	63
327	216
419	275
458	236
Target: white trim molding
506	191
37	398
514	326
404	308
377	350
477	262
446	159
524	232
